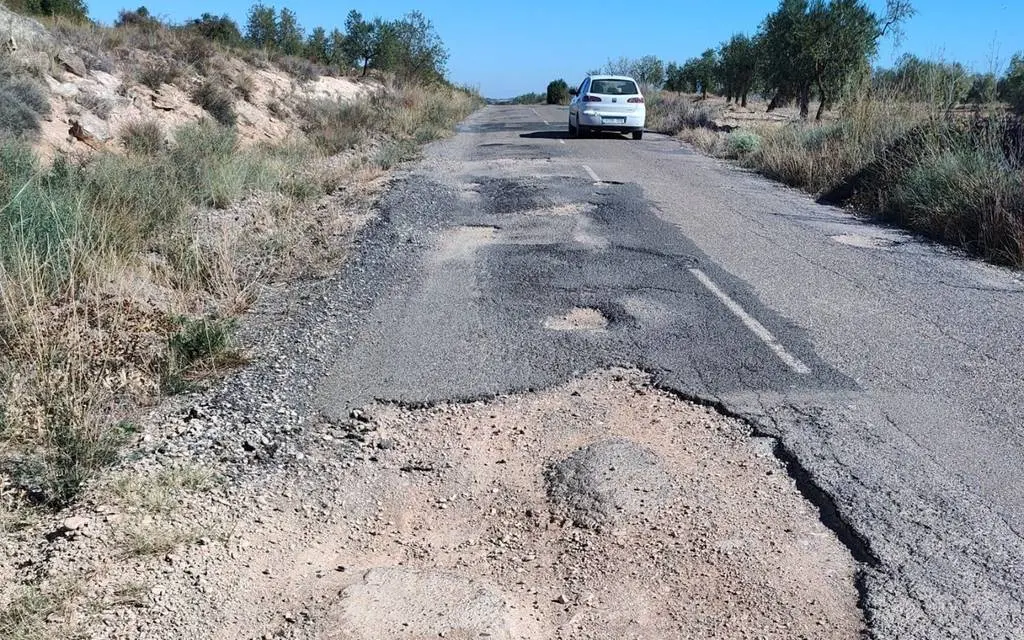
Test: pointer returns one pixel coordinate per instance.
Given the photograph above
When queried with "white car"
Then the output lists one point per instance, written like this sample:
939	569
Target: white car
607	103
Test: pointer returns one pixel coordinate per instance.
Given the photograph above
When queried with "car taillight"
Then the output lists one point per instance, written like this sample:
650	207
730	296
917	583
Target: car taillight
636	100
590	98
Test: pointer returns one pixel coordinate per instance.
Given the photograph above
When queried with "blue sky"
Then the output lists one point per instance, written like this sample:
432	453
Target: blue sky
509	48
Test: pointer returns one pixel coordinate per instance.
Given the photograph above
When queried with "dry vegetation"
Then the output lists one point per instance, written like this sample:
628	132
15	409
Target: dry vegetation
956	176
122	270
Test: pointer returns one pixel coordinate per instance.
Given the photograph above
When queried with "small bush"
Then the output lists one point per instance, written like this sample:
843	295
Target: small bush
217	101
201	340
22	102
672	114
245	86
195	51
336	125
741	143
100	106
157	74
142	137
16	118
302	69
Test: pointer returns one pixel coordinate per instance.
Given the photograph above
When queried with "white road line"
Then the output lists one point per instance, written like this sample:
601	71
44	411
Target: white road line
591	173
561	141
756	327
537	113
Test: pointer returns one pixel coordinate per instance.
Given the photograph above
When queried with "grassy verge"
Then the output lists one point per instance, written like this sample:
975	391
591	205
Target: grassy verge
120	276
958	179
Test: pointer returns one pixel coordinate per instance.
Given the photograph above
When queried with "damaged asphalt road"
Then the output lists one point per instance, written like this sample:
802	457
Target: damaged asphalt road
513	259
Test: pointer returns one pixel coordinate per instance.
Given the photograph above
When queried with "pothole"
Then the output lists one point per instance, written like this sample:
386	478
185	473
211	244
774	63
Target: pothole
571	209
457	521
864	242
578	319
459	243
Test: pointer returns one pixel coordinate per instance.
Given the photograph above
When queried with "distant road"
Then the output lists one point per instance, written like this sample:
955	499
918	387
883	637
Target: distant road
892	371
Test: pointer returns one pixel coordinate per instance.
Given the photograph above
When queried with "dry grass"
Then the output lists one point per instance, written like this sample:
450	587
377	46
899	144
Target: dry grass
955	177
105	262
156	539
34	612
160	492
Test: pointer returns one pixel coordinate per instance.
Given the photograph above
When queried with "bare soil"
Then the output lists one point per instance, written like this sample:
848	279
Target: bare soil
604	508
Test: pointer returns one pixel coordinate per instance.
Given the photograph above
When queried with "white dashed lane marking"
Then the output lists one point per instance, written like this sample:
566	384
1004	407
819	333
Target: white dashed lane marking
751	323
591	173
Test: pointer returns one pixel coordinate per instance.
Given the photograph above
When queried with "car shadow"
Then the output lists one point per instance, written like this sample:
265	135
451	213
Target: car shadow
546	135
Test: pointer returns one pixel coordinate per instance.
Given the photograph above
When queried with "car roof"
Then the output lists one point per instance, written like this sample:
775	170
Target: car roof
601	76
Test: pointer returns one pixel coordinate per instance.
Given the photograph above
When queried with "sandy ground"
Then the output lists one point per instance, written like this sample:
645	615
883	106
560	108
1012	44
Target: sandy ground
601	509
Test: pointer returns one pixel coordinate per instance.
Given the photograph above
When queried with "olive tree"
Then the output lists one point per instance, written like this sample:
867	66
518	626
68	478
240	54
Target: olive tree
1011	87
815	46
738	67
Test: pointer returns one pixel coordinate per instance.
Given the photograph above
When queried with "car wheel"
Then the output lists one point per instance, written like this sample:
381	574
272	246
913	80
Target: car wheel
580	131
572	129
638	135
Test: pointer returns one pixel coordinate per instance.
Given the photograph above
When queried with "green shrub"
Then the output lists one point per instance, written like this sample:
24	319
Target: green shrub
741	143
201	339
1011	87
142	137
217	101
336	125
557	92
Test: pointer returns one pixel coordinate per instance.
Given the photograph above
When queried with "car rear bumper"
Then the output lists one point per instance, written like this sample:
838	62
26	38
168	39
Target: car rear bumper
611	121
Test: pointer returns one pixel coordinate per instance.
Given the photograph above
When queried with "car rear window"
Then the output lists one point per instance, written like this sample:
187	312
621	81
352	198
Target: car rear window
614	87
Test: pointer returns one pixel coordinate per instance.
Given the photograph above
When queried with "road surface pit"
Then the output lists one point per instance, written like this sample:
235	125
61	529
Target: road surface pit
578	319
603	508
570	209
460	243
864	242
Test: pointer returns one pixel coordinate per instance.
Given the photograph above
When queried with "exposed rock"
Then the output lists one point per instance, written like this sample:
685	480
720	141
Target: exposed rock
75	523
70	62
63	89
90	130
20	32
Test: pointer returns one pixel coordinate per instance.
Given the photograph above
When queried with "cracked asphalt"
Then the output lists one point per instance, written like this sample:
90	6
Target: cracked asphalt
904	427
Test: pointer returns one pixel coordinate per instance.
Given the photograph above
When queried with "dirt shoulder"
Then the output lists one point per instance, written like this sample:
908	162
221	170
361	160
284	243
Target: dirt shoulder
603	508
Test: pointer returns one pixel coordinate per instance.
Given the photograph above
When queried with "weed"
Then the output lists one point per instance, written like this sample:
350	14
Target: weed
155	539
143	137
245	86
337	125
157	74
217	101
22	102
161	492
301	68
27	614
674	113
277	109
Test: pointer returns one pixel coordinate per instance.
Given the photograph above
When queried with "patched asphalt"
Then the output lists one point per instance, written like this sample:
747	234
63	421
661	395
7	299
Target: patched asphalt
501	229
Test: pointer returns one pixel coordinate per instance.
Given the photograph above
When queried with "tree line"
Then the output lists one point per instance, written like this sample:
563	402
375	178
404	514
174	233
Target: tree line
822	50
408	46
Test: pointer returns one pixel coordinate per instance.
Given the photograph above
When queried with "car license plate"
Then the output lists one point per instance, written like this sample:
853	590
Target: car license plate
613	120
